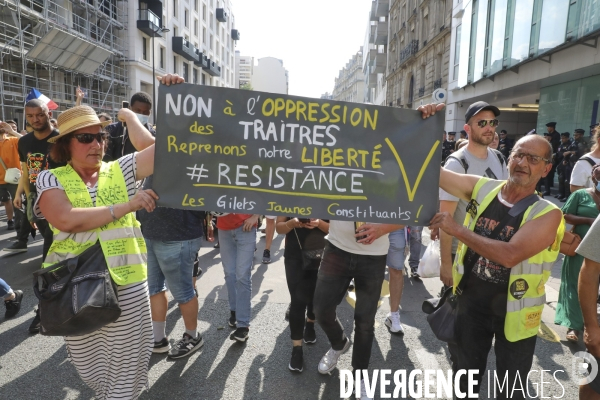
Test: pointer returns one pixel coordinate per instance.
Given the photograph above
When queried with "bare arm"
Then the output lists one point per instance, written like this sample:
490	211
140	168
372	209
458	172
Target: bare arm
588	294
446	245
24	182
79	95
144	162
6	128
576	188
59	212
458	185
577	220
510	253
283	226
372	231
140	137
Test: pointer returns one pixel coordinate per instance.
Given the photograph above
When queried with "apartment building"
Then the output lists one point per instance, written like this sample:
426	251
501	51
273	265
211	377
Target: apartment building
244	67
193	38
418	52
375	48
350	83
269	75
57	45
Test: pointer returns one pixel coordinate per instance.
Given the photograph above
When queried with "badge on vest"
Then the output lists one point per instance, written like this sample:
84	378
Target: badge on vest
533	319
472	208
518	288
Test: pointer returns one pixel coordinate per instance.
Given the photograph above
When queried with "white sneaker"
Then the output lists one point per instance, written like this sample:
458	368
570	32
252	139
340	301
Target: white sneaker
393	322
363	392
330	359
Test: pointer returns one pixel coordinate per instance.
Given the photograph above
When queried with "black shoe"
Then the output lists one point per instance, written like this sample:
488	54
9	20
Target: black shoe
186	346
266	256
216	246
556	196
36	323
351	285
547	193
161	347
297	359
232	320
414	274
562	199
240	334
10	225
13	306
310	336
17	247
287	312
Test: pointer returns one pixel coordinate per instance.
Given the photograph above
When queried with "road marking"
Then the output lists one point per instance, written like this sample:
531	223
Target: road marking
547	333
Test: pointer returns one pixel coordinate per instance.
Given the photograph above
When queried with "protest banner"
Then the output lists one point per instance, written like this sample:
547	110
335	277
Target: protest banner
231	150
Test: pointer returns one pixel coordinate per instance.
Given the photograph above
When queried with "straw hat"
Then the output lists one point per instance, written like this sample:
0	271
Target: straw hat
76	118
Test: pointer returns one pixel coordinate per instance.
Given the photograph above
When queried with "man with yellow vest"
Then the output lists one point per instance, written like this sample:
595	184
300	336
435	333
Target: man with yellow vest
503	294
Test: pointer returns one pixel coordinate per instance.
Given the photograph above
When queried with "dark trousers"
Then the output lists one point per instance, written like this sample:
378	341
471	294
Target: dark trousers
301	284
475	331
337	269
43	227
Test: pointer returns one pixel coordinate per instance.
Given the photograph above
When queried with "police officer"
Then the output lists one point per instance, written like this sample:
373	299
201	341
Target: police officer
506	144
582	146
555	142
563	167
448	146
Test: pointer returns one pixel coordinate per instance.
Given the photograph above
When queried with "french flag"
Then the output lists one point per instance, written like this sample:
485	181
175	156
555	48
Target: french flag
35	94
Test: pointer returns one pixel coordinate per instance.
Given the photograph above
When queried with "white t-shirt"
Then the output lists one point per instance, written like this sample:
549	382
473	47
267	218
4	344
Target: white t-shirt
341	235
490	167
582	172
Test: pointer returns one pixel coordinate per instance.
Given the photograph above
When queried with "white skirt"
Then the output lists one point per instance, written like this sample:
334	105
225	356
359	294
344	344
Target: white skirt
114	360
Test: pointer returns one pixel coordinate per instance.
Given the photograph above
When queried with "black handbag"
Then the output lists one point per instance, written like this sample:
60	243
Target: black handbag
443	311
311	259
77	296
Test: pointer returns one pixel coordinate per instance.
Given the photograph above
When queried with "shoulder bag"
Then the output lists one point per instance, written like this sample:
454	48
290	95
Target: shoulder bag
569	243
311	258
444	311
12	175
77	296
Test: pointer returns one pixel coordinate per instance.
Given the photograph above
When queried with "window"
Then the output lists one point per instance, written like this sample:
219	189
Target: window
161	61
204	12
175	5
496	34
482	19
174	64
195	76
212	17
145	48
203	79
196	5
175	31
195	27
185	72
553	24
186	16
210	42
521	31
204	36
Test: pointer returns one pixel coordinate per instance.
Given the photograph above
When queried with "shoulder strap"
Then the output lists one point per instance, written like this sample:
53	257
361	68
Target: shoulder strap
462	160
515	211
592	162
3	165
500	156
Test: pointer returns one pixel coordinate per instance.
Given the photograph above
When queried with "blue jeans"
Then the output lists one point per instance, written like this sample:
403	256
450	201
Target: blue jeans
173	262
337	269
415	247
237	255
5	290
395	255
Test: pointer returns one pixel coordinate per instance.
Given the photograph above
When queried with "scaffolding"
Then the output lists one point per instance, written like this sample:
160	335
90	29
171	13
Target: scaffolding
98	24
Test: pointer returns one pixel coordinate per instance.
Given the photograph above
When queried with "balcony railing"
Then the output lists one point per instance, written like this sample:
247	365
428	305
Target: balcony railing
149	23
437	84
410	50
422	91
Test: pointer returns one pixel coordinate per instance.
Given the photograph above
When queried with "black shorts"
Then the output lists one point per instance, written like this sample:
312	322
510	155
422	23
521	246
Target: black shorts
7	192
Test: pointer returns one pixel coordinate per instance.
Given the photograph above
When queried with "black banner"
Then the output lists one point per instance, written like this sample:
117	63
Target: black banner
230	150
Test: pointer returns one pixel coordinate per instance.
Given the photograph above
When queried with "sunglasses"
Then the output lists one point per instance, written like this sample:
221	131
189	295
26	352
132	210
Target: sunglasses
531	159
483	122
87	138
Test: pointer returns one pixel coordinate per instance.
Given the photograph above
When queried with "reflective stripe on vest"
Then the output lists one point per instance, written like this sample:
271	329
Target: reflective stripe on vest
527	279
122	242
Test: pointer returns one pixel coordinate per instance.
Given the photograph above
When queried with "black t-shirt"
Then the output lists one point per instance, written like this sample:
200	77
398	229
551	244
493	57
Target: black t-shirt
309	238
119	143
488	281
35	153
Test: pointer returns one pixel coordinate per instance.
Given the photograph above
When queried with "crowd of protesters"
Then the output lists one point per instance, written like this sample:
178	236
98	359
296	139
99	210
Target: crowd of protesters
488	209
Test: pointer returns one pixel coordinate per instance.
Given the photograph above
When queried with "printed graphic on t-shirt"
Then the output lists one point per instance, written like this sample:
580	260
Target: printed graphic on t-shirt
36	163
489	173
485	269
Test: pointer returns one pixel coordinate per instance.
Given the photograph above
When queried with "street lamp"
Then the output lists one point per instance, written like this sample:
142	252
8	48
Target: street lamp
158	29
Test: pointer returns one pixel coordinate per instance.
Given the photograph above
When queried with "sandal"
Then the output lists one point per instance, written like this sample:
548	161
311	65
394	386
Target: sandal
572	335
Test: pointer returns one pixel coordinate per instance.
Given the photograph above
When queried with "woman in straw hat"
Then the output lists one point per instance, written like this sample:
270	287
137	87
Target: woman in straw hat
88	201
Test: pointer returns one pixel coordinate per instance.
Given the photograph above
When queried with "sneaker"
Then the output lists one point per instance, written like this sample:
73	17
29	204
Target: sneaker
297	359
10	225
186	346
330	359
36	323
161	347
310	336
232	321
287	312
13	306
17	247
217	245
393	323
266	256
414	273
240	334
363	392
351	285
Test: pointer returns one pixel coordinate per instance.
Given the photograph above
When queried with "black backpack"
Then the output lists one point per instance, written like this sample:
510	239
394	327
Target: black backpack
592	162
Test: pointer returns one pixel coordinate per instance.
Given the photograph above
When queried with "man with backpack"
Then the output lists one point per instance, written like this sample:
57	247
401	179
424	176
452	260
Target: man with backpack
581	175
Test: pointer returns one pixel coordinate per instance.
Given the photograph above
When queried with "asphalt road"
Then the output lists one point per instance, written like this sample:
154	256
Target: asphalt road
34	366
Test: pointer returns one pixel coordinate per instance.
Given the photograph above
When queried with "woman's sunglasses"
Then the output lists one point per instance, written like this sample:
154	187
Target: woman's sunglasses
483	122
87	138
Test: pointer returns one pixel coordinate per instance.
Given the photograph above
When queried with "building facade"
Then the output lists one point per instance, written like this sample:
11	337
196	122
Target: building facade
418	52
193	38
537	60
375	49
350	83
55	46
244	67
269	75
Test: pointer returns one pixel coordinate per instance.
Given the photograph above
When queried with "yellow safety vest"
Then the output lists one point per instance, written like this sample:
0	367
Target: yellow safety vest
122	242
526	286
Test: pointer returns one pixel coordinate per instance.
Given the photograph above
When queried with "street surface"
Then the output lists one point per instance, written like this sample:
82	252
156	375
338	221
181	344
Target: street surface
34	366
